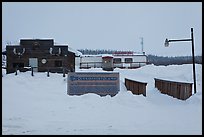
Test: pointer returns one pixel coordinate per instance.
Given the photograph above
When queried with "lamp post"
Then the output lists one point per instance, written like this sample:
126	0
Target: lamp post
166	44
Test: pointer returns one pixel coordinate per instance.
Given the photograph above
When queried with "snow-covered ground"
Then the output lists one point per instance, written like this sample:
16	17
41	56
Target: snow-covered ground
40	105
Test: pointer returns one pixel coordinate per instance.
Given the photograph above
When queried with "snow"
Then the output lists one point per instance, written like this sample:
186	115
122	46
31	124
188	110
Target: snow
77	53
106	55
40	105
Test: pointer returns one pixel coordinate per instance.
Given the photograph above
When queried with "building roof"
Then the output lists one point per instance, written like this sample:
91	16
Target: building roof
107	56
44	42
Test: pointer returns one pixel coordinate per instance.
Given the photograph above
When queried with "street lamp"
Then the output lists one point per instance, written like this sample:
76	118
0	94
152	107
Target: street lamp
166	44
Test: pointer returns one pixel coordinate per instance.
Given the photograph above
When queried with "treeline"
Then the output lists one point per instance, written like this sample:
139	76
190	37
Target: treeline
98	51
179	60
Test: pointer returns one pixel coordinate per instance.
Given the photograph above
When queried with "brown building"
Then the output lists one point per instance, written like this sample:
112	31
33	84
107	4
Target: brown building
41	54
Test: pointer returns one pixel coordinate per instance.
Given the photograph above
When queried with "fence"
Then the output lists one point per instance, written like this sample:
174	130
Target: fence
136	87
177	90
132	65
87	65
50	69
129	65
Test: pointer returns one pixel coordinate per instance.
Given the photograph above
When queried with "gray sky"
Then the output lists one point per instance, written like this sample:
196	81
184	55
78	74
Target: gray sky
106	25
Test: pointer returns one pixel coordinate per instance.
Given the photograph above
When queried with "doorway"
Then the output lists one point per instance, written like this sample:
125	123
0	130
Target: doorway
33	62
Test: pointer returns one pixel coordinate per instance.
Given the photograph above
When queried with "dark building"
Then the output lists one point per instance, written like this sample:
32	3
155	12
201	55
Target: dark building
40	54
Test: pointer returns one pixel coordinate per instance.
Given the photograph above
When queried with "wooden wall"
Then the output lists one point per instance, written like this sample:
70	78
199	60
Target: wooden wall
40	50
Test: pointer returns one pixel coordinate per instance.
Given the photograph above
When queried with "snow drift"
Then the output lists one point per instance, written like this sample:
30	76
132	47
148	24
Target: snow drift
40	105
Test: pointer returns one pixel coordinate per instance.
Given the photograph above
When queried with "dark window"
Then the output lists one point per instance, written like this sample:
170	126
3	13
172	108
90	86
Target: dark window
19	65
117	60
58	63
128	60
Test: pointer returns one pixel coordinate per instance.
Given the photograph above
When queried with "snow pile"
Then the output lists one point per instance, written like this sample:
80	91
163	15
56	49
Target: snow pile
40	105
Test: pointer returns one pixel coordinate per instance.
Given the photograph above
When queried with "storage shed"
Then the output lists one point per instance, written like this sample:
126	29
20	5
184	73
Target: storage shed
107	63
41	54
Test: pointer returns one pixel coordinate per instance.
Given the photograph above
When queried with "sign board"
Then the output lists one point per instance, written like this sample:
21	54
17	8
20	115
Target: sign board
101	83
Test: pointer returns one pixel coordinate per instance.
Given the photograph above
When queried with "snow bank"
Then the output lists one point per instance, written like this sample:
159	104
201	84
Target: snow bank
40	105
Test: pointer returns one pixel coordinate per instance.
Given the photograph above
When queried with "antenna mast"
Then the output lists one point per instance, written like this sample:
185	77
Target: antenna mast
142	45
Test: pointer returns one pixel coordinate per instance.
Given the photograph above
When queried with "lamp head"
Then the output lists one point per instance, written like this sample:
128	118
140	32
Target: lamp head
166	43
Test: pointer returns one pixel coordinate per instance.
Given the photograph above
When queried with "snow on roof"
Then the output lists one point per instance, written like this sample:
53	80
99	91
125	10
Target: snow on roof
98	55
77	53
175	79
86	55
106	55
127	53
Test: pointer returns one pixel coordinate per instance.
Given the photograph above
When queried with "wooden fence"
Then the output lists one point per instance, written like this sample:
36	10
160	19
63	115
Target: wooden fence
136	87
175	89
62	70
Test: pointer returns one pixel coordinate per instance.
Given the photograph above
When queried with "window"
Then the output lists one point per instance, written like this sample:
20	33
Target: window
19	65
128	60
58	63
117	60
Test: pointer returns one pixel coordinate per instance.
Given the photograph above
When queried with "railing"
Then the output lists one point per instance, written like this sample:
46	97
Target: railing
179	90
86	65
136	87
62	70
130	65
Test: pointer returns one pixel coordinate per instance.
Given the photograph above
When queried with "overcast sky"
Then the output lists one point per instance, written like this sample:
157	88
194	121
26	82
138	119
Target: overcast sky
106	25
